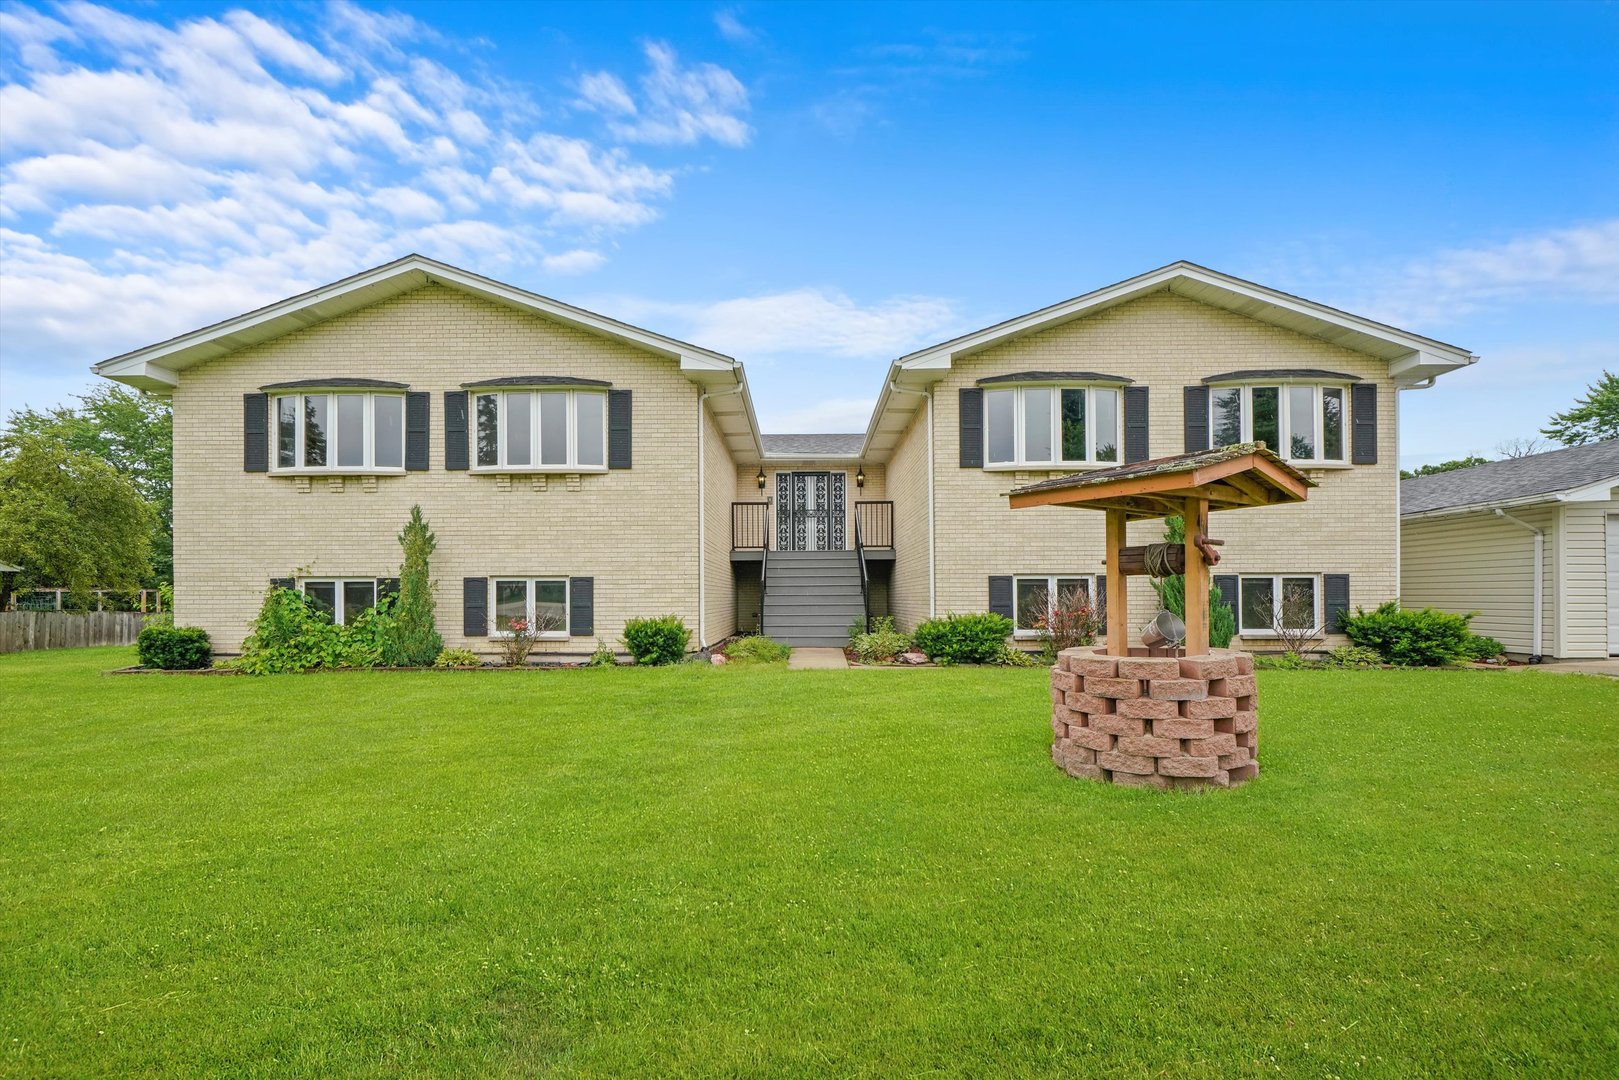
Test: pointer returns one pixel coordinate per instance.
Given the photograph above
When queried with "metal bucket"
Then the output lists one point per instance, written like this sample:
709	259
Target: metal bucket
1165	631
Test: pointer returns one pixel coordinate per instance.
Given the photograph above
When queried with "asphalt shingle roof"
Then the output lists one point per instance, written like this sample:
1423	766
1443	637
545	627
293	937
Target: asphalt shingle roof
1515	478
812	445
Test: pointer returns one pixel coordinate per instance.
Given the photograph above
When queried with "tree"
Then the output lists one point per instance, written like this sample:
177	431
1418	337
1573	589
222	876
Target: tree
132	432
1443	467
1594	417
71	520
1172	593
418	639
1517	448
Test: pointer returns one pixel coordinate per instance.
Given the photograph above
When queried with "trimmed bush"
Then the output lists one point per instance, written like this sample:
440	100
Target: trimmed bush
1482	647
1421	638
450	659
881	645
174	648
657	641
964	639
756	650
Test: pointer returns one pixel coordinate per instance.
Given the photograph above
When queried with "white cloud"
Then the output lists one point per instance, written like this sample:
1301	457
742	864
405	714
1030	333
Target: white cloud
1578	263
837	414
808	320
732	28
678	105
163	172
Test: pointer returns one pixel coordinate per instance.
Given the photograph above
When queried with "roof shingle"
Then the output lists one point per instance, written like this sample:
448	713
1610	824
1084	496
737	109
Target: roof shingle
813	445
1515	478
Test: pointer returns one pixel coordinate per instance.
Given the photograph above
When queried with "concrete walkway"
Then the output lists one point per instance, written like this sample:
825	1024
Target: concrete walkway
816	659
1609	668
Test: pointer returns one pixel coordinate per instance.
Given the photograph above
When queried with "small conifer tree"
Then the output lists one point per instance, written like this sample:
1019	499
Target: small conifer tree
417	638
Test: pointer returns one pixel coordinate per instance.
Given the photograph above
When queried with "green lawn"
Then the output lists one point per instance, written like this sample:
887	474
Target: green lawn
720	871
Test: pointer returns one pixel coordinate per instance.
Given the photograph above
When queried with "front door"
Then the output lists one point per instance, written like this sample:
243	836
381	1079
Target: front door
810	511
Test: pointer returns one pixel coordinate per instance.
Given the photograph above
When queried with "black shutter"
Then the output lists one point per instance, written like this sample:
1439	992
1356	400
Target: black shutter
255	432
417	407
456	455
283	583
387	586
1227	584
1000	597
620	429
1197	419
1363	397
972	428
581	606
475	606
1335	603
1135	424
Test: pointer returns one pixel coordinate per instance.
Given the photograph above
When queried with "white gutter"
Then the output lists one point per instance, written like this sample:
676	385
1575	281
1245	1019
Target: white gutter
702	513
933	579
1540	541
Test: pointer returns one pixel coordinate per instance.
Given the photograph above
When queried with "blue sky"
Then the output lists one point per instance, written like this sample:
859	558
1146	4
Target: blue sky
818	188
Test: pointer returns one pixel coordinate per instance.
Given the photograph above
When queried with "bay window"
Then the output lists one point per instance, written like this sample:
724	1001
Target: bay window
1052	425
1268	602
1036	597
541	429
340	432
542	604
1301	423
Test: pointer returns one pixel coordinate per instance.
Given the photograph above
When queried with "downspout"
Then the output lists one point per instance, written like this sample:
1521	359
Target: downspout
702	513
933	584
1535	657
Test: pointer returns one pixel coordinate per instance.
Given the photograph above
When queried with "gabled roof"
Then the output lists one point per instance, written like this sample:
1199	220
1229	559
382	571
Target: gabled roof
1412	358
1228	477
812	445
1561	475
156	367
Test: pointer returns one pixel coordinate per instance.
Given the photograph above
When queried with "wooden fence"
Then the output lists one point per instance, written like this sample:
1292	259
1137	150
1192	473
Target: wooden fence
24	630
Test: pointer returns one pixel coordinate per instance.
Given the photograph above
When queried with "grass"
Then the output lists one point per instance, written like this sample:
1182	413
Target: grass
723	871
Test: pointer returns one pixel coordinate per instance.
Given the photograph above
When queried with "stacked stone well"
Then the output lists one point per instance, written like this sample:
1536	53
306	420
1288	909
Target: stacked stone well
1185	722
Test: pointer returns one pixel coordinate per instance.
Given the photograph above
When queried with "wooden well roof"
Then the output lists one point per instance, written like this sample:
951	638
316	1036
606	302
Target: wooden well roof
1230	478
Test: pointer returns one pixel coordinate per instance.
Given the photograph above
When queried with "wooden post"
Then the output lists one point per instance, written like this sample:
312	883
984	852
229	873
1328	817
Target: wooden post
1118	602
1196	516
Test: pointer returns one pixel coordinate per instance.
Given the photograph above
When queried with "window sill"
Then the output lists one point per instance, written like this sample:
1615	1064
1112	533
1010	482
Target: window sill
535	470
1269	635
1319	466
337	473
498	635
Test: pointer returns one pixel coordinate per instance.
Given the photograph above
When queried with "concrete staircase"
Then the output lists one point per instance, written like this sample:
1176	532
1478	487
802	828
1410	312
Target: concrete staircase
811	597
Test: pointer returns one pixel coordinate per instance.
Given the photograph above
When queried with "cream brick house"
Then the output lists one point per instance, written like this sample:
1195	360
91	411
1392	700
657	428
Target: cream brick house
580	471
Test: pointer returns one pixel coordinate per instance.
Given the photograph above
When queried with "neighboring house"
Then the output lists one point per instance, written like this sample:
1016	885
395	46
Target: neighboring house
581	471
1495	537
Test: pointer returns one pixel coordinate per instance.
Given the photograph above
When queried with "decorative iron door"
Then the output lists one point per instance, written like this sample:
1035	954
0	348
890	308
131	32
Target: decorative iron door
810	511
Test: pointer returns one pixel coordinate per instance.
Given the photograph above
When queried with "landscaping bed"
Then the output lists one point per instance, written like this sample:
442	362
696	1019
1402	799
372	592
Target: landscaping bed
748	871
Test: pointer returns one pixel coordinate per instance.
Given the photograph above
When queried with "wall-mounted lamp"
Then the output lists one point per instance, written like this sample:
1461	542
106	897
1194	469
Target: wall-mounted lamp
860	477
761	478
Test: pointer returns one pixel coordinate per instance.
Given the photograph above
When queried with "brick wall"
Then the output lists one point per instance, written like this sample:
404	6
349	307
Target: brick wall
634	531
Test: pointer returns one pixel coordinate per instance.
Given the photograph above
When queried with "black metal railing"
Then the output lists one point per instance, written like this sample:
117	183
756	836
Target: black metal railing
874	519
860	557
750	526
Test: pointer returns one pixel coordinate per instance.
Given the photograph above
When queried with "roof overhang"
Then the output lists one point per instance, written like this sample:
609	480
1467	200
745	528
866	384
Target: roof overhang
1230	478
1412	358
1596	491
156	367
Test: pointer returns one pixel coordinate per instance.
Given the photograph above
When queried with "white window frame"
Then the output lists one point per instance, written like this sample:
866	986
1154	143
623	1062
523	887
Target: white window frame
1019	458
501	395
339	584
1284	419
368	439
1050	581
528	611
1276	602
